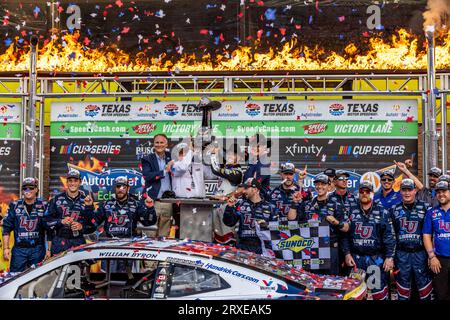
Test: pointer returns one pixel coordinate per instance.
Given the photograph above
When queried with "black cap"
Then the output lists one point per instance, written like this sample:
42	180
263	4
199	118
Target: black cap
387	173
342	173
73	173
121	181
407	184
322	178
29	181
442	185
444	177
435	171
288	167
252	183
366	185
330	172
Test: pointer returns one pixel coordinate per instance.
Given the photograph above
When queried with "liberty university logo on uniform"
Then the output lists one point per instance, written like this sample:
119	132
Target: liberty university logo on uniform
28	224
409	226
119	220
72	214
444	225
363	231
248	220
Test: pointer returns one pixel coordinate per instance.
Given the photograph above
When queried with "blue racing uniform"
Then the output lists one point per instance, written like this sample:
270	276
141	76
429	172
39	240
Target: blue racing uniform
254	171
29	233
246	212
60	207
392	199
411	258
281	198
121	218
370	240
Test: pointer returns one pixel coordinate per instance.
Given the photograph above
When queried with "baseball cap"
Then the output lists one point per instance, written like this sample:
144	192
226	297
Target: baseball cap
287	168
444	177
321	178
442	185
330	172
407	184
342	173
253	183
366	185
30	181
73	173
435	171
121	181
388	173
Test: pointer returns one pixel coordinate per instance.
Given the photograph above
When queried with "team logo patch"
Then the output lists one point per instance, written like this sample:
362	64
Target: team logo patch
28	224
363	231
409	226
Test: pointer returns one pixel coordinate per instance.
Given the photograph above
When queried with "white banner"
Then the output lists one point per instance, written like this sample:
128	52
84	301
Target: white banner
10	112
257	110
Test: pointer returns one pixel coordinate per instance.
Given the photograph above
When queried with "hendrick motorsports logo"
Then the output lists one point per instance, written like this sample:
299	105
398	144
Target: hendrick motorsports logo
336	109
144	128
91	110
252	109
295	243
171	110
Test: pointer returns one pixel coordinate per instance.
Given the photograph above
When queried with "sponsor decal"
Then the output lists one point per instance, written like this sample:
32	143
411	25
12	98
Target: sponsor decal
231	271
267	285
363	231
279	109
69	113
409	226
73	148
197	263
171	110
191	110
211	187
146	112
396	107
373	178
336	109
91	110
228	112
315	128
363	109
252	109
144	128
28	224
125	254
144	149
116	110
3	109
373	150
295	243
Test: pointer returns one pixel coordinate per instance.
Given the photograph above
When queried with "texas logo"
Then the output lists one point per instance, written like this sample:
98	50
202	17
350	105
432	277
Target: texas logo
409	226
363	231
28	224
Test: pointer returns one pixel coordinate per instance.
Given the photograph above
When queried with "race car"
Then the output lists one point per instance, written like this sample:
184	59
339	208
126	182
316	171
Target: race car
155	268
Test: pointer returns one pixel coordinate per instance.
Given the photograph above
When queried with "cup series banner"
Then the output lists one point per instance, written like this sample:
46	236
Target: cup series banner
10	134
107	139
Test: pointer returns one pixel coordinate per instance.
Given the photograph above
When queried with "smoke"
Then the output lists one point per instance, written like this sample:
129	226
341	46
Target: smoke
437	14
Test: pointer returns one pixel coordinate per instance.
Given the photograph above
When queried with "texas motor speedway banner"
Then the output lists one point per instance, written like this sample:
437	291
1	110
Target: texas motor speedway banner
10	133
105	139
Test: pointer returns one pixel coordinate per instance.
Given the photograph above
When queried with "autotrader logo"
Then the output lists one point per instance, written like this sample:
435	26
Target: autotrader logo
336	109
171	110
252	109
91	110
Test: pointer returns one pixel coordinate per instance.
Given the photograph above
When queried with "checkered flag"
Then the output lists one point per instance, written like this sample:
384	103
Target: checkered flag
304	246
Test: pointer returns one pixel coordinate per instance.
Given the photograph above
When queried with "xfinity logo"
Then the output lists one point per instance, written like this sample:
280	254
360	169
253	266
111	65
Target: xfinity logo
296	149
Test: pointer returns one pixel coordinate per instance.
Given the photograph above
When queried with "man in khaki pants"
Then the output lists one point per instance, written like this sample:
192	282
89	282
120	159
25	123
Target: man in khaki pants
156	169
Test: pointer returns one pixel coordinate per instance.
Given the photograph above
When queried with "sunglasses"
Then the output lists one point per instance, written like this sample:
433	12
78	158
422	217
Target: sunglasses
28	188
342	179
387	179
121	186
364	191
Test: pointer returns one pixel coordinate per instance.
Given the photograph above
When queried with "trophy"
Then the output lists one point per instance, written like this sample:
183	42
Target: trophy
205	133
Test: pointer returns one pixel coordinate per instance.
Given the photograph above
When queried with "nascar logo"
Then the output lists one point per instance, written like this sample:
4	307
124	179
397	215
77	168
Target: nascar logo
91	110
171	109
345	150
336	109
252	109
295	243
144	128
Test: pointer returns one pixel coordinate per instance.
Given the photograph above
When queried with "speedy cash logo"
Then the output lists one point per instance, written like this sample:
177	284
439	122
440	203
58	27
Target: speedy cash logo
91	110
144	128
336	109
252	109
315	128
171	110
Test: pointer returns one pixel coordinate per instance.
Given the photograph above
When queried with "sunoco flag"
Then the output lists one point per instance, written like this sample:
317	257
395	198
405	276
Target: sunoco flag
303	246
